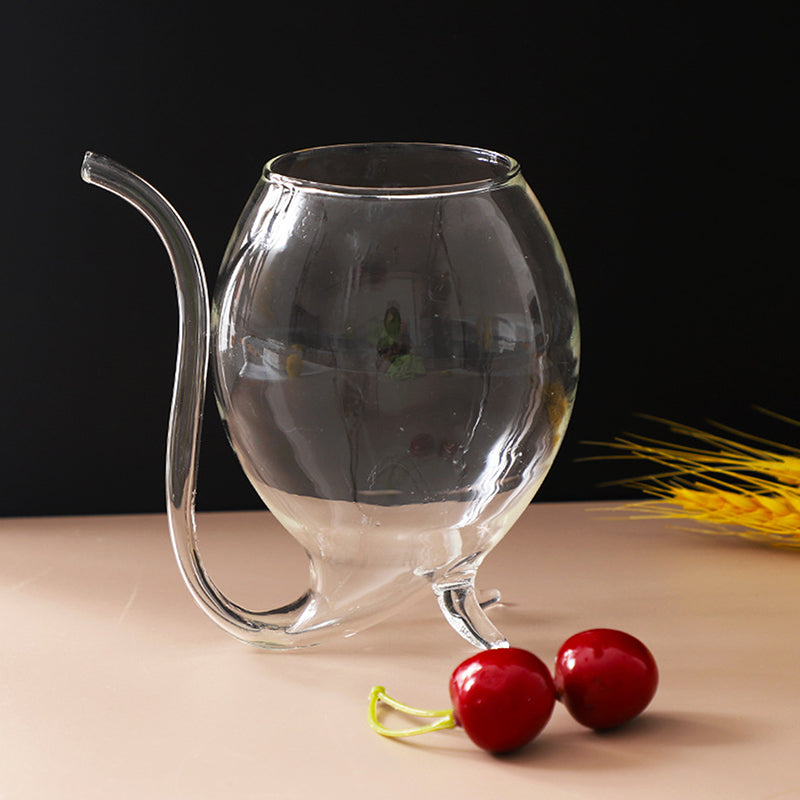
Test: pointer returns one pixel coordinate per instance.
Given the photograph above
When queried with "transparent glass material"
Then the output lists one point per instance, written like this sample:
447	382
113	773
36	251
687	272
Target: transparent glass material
394	340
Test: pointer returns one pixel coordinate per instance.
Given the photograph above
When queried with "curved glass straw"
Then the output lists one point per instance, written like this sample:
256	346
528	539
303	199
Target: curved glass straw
188	391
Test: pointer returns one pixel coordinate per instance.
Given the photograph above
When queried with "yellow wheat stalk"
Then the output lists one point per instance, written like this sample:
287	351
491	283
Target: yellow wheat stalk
723	485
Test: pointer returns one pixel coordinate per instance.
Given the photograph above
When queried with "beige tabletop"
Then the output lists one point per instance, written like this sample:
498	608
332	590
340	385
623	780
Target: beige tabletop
114	685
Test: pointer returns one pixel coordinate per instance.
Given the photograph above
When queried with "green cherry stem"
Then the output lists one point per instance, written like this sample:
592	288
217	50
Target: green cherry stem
378	694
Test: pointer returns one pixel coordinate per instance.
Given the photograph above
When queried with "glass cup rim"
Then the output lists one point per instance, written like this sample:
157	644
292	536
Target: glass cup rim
507	168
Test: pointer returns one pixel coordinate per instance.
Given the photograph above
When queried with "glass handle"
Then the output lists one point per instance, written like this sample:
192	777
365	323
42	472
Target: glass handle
281	627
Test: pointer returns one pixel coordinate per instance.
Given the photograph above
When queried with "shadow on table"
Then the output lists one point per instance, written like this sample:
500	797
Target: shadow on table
636	744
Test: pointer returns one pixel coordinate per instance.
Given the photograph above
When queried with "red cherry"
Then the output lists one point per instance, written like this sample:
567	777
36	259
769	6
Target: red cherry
605	677
502	698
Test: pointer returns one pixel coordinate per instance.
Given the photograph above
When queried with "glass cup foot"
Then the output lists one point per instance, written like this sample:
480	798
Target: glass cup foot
464	611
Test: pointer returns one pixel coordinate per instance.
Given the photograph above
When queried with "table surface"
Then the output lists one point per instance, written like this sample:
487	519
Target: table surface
114	684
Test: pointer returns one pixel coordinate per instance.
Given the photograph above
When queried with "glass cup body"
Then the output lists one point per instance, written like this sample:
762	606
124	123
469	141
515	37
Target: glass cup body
395	348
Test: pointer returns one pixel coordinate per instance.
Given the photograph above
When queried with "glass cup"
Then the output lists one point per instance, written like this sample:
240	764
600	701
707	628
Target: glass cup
394	341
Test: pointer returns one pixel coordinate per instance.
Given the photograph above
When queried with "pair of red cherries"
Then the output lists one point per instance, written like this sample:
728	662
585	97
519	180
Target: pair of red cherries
503	698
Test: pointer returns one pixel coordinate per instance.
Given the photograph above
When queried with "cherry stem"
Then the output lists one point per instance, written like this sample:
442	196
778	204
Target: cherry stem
378	694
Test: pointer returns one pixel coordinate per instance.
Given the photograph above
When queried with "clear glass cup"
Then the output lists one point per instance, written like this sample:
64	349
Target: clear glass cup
394	340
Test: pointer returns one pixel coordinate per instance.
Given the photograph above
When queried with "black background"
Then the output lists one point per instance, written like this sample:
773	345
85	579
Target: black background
660	139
